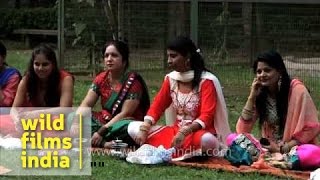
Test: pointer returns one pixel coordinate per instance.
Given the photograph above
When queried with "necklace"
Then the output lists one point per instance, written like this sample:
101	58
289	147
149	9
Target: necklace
182	103
272	110
273	117
112	83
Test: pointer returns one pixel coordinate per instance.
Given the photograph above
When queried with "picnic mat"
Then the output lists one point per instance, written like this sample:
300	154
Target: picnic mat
223	164
4	170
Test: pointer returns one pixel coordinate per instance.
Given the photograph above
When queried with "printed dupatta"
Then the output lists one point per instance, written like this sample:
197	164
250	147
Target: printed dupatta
116	100
6	74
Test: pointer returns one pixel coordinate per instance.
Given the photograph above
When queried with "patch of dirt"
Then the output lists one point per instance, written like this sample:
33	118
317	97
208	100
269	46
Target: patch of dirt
309	66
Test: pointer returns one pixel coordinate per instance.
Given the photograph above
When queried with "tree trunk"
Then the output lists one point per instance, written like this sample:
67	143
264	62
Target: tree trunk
176	19
262	42
17	4
247	30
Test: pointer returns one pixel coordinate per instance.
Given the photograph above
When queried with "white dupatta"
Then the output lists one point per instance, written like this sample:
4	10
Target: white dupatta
221	123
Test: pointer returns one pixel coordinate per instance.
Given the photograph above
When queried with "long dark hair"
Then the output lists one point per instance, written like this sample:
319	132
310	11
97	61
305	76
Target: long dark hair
52	95
186	47
122	47
274	60
3	52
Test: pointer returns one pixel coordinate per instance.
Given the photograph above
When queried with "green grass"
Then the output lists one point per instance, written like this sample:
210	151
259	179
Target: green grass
236	81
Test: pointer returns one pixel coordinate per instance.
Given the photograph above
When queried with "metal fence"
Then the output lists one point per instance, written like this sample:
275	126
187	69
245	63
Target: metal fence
230	34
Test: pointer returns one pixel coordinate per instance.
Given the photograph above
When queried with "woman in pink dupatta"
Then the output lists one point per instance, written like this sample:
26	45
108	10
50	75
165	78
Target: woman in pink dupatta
286	112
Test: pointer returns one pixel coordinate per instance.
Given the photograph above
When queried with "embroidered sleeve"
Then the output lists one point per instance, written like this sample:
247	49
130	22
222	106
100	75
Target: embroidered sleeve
9	91
135	91
98	83
208	101
160	102
94	87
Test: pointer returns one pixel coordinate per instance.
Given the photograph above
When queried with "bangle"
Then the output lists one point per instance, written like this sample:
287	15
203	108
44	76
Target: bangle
102	131
247	114
247	111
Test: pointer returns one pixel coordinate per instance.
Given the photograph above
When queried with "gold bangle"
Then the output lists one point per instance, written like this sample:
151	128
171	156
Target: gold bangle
247	110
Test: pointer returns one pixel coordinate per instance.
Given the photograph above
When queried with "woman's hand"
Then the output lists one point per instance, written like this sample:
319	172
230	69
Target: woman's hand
177	140
286	147
74	130
143	133
182	133
272	147
141	137
255	86
96	139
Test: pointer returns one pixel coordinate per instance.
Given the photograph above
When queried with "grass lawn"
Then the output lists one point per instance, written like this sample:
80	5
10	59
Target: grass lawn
235	80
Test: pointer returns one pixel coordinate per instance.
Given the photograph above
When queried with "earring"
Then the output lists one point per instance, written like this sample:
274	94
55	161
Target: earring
187	63
279	83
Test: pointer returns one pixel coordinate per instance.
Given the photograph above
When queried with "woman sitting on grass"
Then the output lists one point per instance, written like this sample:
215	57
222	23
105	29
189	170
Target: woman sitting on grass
44	85
9	80
197	106
124	97
285	110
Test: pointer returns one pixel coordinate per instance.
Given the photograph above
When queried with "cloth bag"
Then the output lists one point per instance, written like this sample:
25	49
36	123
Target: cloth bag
243	149
304	157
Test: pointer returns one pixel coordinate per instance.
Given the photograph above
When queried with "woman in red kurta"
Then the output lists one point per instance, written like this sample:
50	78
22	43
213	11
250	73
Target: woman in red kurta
44	85
193	99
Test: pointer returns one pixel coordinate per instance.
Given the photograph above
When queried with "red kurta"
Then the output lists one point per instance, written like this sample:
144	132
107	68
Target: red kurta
7	125
197	106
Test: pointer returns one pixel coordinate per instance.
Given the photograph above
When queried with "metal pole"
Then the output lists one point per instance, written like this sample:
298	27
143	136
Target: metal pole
120	16
194	21
61	33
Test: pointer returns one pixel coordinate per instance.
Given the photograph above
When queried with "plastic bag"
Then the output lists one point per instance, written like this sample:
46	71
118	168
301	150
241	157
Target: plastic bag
148	154
315	175
10	143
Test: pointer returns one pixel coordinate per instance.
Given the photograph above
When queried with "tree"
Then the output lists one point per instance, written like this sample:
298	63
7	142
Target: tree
177	15
86	28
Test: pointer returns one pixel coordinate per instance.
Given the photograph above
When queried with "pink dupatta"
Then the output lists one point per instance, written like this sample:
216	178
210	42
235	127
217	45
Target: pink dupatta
302	121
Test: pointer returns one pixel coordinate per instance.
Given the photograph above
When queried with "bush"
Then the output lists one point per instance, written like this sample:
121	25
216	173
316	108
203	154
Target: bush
27	18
